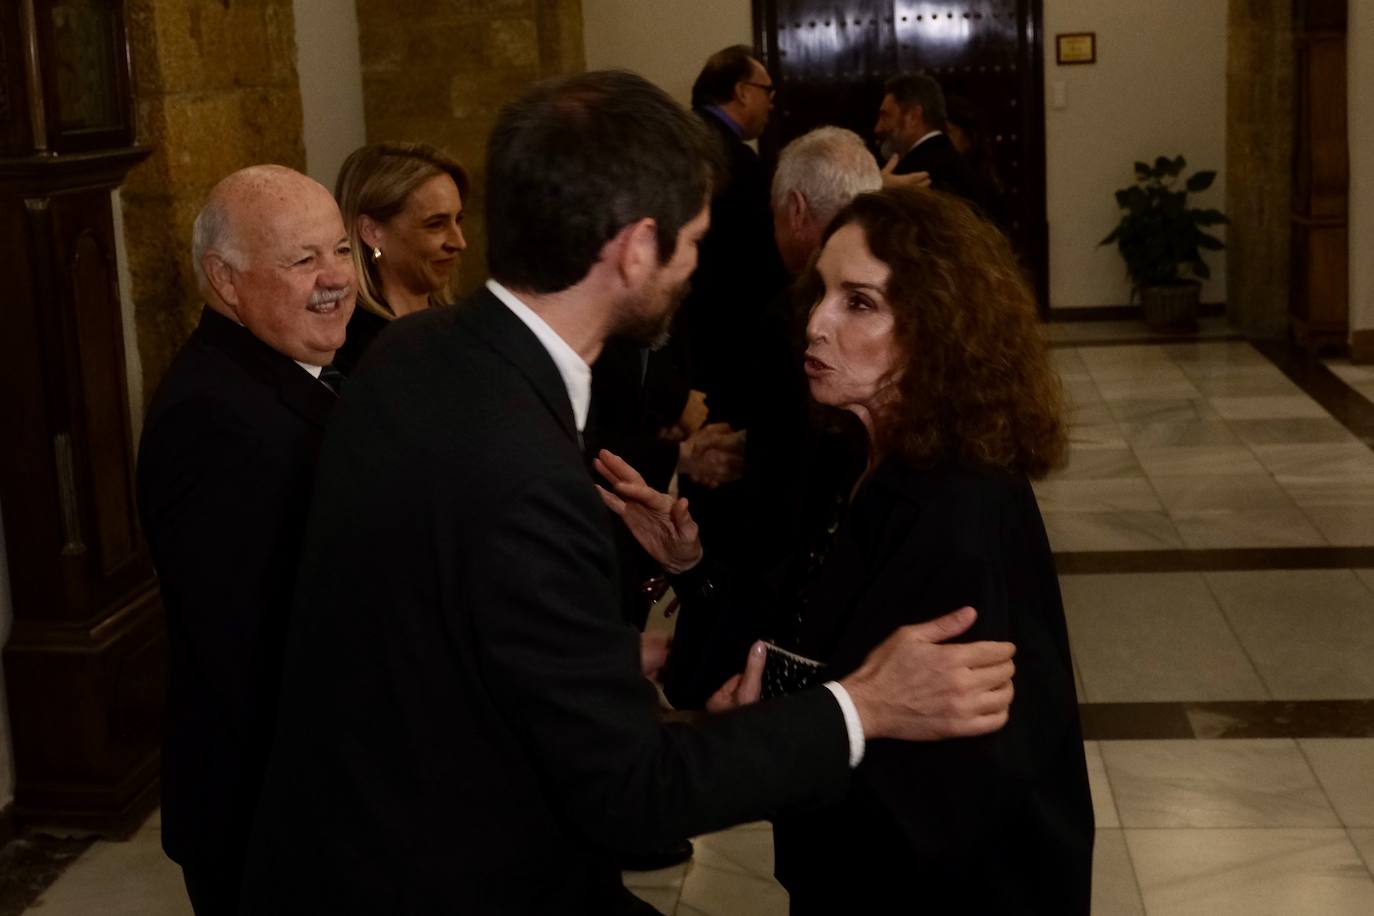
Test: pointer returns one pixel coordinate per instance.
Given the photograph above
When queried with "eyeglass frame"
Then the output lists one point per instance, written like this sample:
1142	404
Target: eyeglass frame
766	87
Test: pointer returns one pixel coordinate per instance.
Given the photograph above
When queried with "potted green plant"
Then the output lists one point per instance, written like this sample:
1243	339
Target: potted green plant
1161	239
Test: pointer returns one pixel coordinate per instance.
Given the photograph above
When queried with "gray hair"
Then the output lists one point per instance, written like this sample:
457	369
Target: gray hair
213	232
829	166
911	89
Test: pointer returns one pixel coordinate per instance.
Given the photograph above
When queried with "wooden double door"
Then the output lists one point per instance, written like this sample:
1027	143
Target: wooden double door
829	61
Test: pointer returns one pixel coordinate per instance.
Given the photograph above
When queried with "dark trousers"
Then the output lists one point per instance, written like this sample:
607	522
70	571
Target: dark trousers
214	889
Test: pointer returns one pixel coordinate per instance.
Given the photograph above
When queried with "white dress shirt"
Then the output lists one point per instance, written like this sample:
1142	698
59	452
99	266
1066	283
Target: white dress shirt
577	375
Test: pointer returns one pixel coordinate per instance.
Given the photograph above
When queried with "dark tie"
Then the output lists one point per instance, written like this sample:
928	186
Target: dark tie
332	378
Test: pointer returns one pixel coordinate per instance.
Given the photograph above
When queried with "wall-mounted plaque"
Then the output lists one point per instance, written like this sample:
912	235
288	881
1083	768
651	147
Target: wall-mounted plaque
1075	48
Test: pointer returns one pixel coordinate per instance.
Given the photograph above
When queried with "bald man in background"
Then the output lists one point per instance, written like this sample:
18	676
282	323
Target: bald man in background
225	472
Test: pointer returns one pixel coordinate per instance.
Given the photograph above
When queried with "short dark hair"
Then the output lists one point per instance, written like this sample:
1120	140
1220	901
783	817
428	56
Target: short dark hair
723	71
578	158
910	89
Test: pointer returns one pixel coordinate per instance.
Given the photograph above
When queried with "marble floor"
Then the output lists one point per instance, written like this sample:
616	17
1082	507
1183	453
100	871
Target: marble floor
1215	533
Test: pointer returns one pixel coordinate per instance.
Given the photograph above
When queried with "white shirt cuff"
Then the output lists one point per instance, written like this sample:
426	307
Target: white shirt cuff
852	724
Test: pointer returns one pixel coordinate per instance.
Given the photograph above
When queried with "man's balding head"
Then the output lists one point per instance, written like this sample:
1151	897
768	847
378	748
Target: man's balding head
271	253
818	174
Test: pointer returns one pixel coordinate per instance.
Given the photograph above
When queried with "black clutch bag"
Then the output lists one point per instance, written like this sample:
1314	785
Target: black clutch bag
787	672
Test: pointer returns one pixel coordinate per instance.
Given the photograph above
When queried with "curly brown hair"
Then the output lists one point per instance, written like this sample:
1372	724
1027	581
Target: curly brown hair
975	382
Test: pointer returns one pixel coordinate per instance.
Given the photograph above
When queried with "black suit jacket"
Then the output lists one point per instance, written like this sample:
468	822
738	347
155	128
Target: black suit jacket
224	475
739	271
949	170
464	728
997	824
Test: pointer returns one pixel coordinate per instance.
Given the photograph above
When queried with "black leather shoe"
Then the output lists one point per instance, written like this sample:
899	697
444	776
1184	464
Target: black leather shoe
654	859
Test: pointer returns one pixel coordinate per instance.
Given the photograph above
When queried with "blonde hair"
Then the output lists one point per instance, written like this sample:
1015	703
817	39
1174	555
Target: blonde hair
375	181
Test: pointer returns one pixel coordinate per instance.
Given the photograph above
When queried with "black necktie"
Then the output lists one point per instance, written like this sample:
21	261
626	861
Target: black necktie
332	378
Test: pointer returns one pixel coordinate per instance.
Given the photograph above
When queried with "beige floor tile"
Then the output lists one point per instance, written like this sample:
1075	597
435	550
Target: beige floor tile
1247	382
1345	769
1189	493
1366	576
1310	633
1072	531
663	899
1272	407
1343	526
1160	384
1250	873
1198	460
1319	460
1363	838
713	889
1221	783
1154	638
132	878
1121	494
1299	430
1339	490
1115	892
1099	464
1161	411
1104	806
1105	434
1223	528
1348	372
1180	433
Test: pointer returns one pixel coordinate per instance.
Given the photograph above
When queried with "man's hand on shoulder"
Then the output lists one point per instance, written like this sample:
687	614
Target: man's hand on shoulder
915	687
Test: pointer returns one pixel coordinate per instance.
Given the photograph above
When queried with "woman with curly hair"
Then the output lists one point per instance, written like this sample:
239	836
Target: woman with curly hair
924	329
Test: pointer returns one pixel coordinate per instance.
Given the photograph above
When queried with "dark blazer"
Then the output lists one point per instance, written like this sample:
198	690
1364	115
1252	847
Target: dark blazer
739	271
997	824
363	327
949	170
224	476
464	728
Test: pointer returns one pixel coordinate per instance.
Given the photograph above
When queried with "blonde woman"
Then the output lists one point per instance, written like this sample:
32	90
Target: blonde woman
402	204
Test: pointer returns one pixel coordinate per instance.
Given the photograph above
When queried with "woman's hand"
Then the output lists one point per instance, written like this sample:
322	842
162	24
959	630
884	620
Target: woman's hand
662	525
745	687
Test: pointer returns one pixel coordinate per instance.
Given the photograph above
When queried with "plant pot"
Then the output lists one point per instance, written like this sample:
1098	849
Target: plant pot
1172	307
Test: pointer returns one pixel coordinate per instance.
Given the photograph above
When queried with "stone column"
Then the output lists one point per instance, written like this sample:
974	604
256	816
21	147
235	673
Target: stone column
1259	153
217	90
440	72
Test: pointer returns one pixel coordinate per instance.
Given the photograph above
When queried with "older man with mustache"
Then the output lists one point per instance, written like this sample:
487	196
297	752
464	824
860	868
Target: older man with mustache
225	473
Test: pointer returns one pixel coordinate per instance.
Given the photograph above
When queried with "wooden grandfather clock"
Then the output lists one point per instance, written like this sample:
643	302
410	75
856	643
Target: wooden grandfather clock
85	663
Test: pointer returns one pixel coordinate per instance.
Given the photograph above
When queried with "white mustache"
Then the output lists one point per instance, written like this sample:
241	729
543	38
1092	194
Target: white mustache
325	296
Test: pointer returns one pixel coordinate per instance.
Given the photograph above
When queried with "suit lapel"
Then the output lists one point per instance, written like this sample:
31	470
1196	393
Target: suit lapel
297	389
500	329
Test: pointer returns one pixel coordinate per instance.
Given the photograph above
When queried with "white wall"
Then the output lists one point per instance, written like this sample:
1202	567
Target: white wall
666	41
1360	102
330	71
1159	88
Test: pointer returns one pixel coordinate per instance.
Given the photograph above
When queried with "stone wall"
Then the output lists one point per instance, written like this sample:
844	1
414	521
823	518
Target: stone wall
216	89
439	72
1259	161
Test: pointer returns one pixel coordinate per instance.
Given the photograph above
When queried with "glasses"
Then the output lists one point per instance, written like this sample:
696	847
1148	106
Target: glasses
766	87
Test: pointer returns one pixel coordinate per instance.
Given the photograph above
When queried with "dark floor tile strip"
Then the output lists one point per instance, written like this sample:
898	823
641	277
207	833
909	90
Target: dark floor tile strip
1233	719
1145	340
30	864
1350	408
1236	559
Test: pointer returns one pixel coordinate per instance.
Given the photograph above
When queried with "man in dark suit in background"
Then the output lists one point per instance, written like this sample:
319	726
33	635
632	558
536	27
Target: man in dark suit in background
910	127
464	725
225	472
724	335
